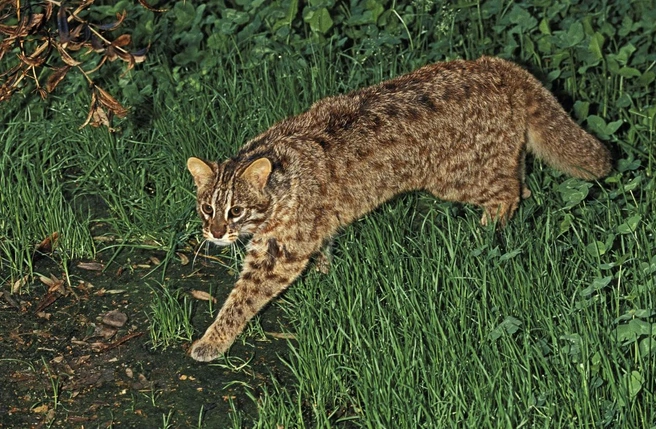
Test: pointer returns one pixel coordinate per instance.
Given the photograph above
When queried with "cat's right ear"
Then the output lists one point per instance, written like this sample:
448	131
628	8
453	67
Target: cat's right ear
202	172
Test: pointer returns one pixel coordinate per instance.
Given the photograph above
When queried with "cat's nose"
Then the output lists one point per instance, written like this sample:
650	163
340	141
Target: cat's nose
218	229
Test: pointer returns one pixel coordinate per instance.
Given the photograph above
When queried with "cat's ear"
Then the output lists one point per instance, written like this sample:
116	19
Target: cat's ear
257	173
202	172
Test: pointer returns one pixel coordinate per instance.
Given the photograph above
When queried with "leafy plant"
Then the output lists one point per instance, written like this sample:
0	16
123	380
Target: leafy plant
44	41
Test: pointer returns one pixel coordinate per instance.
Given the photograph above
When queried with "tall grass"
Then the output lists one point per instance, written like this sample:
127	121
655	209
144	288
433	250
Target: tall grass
35	200
432	321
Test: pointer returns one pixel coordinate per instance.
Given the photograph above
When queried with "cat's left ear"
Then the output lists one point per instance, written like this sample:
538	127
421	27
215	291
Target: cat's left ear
257	173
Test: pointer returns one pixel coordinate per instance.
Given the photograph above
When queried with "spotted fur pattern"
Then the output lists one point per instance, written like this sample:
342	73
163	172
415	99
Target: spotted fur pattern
459	130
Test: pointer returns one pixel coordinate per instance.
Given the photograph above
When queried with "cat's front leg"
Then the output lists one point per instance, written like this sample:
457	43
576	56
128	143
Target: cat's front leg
269	268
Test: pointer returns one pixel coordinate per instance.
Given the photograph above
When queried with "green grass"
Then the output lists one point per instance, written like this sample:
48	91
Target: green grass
432	321
169	318
426	319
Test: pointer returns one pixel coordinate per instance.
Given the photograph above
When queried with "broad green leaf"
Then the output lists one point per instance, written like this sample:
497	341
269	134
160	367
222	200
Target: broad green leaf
522	18
625	53
544	26
290	13
319	20
640	313
629	164
647	78
596	248
572	37
629	72
635	380
375	8
596	45
597	284
510	325
597	124
510	255
636	328
581	109
573	191
630	225
647	346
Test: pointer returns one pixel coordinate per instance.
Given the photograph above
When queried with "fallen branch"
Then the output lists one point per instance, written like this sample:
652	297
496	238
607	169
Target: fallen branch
107	347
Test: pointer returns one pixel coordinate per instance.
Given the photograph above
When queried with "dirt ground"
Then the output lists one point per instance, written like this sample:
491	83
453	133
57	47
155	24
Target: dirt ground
78	354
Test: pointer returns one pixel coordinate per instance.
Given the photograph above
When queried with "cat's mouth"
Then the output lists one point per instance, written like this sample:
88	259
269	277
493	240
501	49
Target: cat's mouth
226	240
221	241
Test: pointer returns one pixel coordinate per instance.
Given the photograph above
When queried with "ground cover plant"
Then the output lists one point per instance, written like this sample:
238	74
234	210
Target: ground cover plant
426	319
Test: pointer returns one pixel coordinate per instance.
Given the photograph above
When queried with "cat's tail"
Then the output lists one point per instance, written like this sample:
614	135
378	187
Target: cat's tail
555	138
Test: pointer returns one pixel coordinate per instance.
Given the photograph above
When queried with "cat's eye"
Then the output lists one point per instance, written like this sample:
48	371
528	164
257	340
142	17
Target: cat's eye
236	211
207	209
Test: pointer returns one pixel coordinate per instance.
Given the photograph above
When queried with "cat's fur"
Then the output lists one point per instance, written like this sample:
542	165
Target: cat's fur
459	130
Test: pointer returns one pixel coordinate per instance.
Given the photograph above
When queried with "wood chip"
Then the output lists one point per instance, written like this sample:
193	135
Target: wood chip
202	295
44	315
91	266
7	296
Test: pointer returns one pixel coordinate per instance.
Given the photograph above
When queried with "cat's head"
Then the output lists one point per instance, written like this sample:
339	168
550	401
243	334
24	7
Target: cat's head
231	198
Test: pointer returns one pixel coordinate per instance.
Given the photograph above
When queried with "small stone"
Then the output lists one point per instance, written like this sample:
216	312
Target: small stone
115	319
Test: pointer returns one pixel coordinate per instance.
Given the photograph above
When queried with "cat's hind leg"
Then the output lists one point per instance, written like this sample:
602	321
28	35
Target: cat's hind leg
324	257
500	198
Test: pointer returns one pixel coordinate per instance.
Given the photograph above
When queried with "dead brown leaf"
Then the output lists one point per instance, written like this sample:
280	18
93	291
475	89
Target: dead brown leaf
41	409
122	40
184	259
62	26
18	284
104	331
104	291
150	8
54	284
56	76
47	300
282	335
48	244
114	25
97	116
30	61
66	57
104	238
7	296
91	266
105	99
202	295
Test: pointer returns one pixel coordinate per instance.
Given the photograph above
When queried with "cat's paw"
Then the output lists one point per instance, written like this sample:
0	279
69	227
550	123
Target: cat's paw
322	265
204	351
322	261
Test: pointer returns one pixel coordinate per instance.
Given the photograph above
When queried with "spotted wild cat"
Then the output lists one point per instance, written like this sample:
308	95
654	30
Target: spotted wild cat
459	130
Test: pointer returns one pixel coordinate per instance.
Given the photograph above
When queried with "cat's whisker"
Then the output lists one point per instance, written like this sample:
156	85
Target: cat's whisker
205	243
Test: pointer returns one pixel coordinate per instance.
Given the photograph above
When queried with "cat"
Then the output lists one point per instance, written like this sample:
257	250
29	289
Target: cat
459	130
